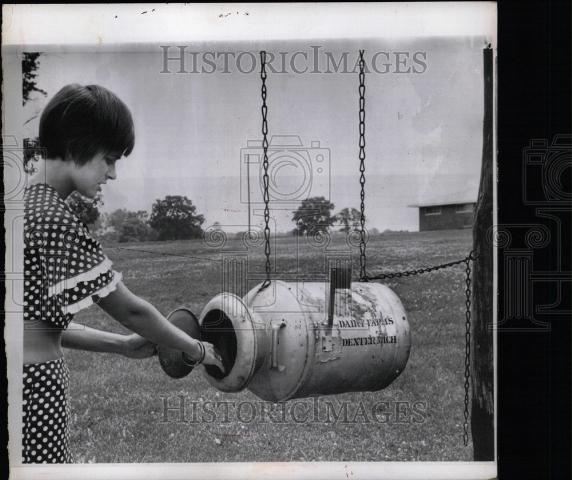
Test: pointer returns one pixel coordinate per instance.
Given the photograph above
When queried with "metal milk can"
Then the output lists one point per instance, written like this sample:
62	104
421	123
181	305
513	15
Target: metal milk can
298	339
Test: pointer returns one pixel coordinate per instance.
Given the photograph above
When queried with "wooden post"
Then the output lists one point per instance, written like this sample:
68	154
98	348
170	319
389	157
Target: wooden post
482	405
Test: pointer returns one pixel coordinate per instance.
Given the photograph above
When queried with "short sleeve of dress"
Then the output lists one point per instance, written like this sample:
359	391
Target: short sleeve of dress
75	267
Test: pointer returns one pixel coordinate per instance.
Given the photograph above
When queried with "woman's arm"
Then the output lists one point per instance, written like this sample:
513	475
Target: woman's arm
82	337
143	318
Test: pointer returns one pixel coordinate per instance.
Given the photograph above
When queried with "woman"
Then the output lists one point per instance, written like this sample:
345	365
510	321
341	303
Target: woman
84	131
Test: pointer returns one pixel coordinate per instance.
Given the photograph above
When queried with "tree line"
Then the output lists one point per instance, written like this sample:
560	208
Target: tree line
172	218
176	218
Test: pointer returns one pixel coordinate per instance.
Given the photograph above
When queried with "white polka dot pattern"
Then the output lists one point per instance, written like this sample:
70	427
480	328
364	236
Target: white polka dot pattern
64	267
45	433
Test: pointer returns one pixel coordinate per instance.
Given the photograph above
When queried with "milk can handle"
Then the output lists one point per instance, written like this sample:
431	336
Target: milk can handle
274	352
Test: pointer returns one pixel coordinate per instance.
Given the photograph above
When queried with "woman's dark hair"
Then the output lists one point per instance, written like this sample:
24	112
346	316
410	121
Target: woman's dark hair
80	122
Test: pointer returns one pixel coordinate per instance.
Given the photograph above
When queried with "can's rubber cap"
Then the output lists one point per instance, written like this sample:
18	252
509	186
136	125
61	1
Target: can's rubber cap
171	360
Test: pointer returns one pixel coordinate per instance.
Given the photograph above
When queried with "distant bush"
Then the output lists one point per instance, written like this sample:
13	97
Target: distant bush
125	226
313	216
175	218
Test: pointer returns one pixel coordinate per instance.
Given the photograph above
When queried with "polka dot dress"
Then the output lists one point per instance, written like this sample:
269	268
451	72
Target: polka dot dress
65	269
45	435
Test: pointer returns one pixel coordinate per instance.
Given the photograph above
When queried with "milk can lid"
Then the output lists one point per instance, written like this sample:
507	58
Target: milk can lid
171	360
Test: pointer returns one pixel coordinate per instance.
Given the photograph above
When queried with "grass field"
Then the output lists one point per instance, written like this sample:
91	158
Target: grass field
117	403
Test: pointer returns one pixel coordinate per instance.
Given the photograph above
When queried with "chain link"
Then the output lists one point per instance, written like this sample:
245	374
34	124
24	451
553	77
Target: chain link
467	347
362	244
265	178
418	271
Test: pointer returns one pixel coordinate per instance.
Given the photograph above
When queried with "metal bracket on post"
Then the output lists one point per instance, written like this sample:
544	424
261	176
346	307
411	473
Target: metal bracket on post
340	277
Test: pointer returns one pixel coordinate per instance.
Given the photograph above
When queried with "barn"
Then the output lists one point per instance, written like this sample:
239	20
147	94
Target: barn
447	214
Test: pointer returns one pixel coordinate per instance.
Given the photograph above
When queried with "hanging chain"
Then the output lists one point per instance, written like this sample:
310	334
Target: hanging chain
265	178
362	246
419	271
362	243
466	411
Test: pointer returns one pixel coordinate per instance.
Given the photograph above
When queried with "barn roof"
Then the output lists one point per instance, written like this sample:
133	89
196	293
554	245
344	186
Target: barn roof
445	202
448	190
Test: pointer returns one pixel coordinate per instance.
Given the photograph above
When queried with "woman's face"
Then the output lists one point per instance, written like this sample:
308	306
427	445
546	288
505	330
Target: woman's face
89	177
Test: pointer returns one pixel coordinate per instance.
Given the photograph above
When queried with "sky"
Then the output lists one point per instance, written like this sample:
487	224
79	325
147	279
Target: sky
194	129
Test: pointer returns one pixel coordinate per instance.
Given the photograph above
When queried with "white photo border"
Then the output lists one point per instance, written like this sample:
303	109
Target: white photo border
108	27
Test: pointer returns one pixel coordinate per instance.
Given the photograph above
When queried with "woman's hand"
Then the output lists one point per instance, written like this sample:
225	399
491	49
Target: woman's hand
136	346
211	355
141	317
